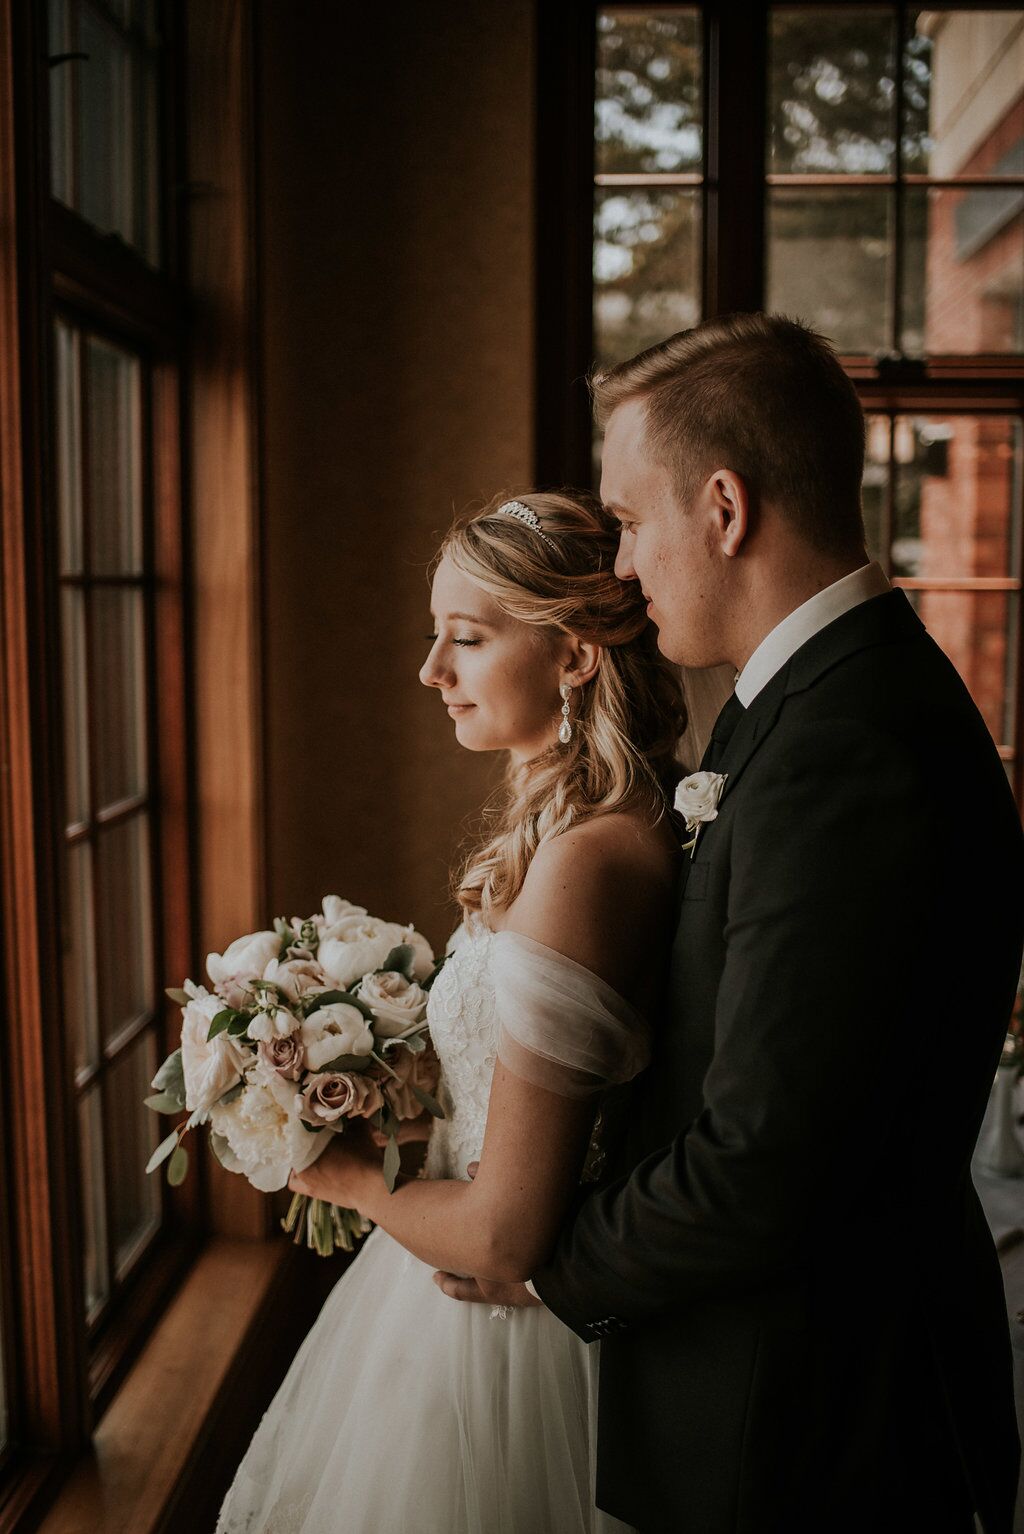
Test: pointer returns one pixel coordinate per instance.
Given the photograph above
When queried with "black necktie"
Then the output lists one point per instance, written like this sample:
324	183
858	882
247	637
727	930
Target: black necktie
721	735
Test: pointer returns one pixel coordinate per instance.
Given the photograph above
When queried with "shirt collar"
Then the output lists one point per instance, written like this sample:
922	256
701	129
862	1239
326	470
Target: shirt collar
803	623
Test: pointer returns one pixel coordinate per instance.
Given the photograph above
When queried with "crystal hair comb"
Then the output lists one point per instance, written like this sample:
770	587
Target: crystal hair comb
524	514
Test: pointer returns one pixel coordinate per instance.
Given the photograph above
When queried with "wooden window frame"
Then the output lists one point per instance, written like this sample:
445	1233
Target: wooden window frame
736	181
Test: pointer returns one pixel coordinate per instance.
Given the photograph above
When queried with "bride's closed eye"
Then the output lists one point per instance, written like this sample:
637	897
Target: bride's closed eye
433	640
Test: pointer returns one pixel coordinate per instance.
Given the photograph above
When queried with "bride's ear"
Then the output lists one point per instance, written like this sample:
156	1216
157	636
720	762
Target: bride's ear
581	662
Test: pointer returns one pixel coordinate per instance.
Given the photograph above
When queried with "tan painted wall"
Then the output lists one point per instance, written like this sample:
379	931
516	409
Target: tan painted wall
394	184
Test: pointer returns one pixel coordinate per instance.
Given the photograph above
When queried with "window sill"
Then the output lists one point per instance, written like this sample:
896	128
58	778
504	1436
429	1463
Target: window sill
213	1360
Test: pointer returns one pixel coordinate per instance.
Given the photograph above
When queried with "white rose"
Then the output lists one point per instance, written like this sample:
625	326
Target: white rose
355	945
211	1067
697	797
334	1030
264	1131
397	1002
245	959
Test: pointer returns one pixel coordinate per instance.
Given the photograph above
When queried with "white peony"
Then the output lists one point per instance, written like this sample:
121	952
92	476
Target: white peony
264	1131
334	1030
295	976
335	909
244	960
210	1067
423	961
398	1004
355	945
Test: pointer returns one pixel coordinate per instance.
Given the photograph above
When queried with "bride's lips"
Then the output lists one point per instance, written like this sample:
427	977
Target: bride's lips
455	709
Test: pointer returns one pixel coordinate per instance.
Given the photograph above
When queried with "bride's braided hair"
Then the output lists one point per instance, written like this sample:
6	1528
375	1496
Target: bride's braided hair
629	717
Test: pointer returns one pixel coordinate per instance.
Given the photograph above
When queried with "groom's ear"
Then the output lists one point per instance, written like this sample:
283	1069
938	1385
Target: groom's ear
730	504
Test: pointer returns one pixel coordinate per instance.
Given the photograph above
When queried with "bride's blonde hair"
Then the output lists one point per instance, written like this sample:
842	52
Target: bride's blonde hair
629	716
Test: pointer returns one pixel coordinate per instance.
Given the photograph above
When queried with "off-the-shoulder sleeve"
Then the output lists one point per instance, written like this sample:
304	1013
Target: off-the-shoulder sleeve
561	1026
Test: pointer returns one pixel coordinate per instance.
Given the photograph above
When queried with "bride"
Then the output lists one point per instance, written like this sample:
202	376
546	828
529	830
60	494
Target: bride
403	1409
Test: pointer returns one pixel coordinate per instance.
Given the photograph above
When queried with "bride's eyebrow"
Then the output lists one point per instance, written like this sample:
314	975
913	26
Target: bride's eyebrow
466	618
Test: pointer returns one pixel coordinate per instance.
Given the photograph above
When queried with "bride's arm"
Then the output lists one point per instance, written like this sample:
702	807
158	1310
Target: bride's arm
597	895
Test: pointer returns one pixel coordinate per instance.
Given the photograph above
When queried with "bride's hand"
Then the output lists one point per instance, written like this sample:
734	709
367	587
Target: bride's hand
409	1130
339	1175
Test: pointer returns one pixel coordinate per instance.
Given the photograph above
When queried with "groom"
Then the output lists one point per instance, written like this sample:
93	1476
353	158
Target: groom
800	1308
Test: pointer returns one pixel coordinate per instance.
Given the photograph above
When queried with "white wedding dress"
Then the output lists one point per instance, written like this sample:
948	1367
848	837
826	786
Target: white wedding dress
405	1410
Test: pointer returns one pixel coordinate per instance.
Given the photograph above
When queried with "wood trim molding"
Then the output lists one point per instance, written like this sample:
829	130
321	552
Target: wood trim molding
226	544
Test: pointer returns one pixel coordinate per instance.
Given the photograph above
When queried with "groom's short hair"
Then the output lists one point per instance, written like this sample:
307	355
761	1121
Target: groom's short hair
762	395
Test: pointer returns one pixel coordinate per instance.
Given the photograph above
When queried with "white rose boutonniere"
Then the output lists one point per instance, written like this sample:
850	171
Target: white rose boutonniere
697	801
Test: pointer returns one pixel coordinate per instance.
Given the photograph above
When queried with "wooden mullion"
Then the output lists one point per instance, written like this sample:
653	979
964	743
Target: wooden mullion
737	155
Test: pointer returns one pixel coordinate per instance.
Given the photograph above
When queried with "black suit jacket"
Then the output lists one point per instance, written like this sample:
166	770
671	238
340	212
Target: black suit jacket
801	1309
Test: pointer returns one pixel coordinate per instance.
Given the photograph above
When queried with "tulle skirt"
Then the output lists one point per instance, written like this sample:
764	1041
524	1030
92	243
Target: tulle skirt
407	1411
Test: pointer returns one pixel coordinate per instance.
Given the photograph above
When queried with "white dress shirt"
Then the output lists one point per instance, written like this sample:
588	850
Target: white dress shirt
803	623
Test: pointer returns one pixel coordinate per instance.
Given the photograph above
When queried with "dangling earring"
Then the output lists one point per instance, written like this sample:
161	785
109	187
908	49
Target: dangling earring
565	728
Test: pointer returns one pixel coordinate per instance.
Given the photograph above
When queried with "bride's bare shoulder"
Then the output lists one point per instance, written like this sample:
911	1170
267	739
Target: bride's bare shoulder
601	893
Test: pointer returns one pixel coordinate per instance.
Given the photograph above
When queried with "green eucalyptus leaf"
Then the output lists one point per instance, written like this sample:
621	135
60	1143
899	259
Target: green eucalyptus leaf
344	1063
430	1103
181	997
171	1076
163	1150
401	960
177	1167
222	1021
239	1024
327	998
164	1102
392	1162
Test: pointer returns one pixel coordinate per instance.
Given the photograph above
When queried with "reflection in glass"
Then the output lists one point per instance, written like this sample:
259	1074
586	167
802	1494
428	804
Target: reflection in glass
79	956
828	263
69	450
957	478
119	697
648	91
75	701
646	268
831	91
123	925
132	1135
104	109
964	270
962	93
115	498
94	1220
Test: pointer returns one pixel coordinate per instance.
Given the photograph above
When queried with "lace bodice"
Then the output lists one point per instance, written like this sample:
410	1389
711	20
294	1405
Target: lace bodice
464	1029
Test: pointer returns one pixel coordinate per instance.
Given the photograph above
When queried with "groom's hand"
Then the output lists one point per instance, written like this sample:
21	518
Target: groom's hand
481	1291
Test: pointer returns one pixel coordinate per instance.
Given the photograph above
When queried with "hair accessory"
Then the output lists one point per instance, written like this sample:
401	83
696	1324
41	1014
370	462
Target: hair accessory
524	514
565	728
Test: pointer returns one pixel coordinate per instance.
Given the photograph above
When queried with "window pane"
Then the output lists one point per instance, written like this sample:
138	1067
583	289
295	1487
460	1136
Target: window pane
829	257
132	1136
875	486
79	956
97	1270
123	926
69	450
105	154
646	268
648	109
831	91
963	106
75	705
115	499
118	694
957	496
964	270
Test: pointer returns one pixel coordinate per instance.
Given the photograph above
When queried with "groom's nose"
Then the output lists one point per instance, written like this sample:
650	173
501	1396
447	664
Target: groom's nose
624	563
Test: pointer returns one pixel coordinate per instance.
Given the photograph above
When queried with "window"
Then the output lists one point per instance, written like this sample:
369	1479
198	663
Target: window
861	166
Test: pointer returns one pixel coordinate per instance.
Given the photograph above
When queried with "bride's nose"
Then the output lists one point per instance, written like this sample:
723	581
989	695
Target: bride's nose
434	672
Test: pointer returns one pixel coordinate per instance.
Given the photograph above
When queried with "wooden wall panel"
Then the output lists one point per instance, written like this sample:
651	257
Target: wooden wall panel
396	247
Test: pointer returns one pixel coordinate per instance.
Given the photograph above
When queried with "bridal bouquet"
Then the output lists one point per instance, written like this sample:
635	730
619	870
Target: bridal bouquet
306	1027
